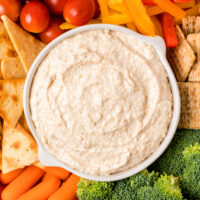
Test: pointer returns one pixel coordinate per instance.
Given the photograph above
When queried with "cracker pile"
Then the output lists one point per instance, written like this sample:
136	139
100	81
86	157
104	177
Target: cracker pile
185	62
18	49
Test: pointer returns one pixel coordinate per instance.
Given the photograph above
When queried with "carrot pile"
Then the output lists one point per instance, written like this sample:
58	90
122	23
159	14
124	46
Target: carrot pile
149	17
33	183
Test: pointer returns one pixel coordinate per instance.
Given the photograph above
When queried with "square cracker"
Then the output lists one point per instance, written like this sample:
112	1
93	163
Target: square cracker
181	58
191	24
11	100
19	149
194	41
190	105
194	75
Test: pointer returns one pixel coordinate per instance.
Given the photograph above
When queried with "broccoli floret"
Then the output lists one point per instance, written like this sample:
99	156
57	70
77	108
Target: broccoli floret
93	190
165	188
172	161
127	189
190	179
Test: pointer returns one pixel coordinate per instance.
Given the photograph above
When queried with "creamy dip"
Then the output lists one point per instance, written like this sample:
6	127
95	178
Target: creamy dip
101	101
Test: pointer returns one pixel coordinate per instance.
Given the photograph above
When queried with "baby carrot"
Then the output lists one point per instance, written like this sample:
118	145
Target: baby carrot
43	190
57	171
22	183
10	176
68	189
47	176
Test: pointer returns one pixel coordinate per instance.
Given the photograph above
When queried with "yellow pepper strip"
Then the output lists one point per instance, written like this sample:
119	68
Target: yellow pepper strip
67	26
117	19
113	12
170	8
185	5
140	17
114	2
119	8
154	10
194	11
131	26
104	7
158	26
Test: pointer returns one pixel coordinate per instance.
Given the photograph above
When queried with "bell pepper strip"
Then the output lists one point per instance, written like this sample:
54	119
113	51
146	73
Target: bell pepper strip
103	4
131	26
117	19
67	26
169	30
114	2
140	17
180	1
148	2
119	8
185	5
170	8
194	11
158	26
154	10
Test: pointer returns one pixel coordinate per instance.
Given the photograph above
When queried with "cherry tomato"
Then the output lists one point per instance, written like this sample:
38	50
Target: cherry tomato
52	31
35	17
56	6
97	9
11	8
79	12
26	1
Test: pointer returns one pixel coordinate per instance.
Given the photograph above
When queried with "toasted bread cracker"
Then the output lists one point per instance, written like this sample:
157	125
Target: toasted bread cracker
194	41
181	58
12	68
23	122
191	24
19	149
190	105
194	75
11	100
26	45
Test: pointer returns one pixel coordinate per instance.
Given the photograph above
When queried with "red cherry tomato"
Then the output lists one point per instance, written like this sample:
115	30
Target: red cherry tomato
11	8
26	1
97	9
35	17
56	6
79	12
52	31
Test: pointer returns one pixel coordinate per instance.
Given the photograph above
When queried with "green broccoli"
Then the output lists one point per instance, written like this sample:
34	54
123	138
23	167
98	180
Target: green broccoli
93	190
165	188
172	161
190	179
182	159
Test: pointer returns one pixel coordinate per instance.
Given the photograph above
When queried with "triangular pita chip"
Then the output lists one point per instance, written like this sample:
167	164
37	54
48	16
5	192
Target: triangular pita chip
19	149
181	58
23	122
0	146
40	165
12	68
11	100
26	45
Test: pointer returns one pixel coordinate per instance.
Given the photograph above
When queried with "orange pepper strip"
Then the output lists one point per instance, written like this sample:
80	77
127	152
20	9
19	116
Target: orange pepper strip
131	26
119	8
188	4
114	2
140	17
154	10
170	8
117	19
158	26
104	7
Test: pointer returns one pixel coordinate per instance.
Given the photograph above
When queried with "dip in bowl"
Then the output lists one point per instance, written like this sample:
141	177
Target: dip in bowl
102	102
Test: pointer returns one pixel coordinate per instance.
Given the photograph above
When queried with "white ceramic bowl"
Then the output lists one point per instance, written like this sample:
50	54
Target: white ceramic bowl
49	160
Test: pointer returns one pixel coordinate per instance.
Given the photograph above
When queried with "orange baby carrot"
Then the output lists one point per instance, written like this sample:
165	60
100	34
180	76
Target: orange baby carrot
43	190
22	183
10	176
57	171
47	176
68	189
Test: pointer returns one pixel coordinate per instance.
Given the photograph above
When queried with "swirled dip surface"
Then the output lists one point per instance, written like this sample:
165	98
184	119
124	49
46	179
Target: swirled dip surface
101	101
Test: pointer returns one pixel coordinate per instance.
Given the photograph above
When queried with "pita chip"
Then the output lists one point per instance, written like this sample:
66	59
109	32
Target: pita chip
26	45
12	68
0	146
11	100
40	165
190	105
19	149
23	122
181	58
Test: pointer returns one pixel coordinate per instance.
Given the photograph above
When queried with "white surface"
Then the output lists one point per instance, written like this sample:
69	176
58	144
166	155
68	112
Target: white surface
49	160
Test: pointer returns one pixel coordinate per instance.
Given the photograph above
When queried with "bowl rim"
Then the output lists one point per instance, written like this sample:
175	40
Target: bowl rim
48	159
